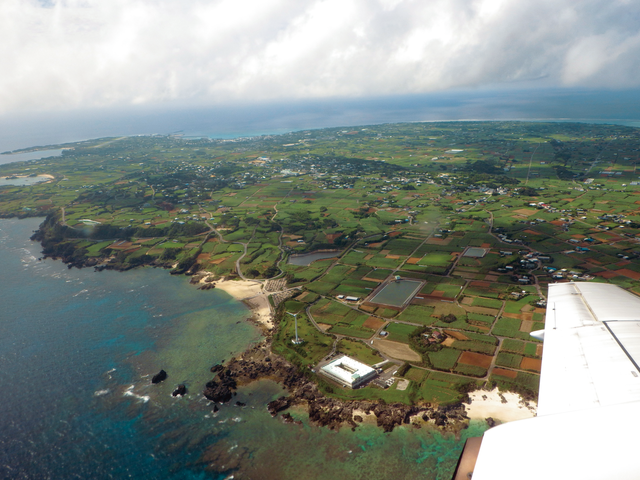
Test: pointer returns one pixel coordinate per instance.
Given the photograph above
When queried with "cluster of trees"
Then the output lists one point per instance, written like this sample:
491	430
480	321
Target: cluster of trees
484	167
420	344
564	173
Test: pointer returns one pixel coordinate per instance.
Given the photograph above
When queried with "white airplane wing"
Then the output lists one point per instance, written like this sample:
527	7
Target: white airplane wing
589	400
591	348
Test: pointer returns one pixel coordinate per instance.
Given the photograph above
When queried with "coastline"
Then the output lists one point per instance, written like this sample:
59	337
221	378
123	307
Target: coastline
327	411
260	362
250	293
502	406
47	175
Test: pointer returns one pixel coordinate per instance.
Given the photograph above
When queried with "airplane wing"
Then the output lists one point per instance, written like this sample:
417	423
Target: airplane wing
589	400
591	348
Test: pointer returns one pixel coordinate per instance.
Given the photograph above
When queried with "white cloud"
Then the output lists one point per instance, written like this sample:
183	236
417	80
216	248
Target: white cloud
59	54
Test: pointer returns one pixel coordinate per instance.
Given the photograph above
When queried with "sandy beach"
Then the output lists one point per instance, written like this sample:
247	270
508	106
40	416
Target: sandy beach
46	175
486	404
251	294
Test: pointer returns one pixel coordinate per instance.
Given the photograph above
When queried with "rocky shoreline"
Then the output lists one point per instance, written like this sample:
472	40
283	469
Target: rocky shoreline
260	363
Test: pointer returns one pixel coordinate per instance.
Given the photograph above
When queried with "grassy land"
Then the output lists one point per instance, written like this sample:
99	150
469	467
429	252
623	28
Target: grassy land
444	359
359	351
399	332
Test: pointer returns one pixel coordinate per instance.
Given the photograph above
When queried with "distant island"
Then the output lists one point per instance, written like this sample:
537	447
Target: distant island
435	243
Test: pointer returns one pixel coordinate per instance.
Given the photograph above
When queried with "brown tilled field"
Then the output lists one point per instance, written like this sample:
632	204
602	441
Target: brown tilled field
456	335
373	323
525	211
401	351
519	316
505	373
629	273
219	260
526	326
477	359
531	364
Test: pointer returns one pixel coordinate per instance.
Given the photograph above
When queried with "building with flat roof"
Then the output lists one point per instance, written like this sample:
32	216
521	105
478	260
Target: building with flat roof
348	371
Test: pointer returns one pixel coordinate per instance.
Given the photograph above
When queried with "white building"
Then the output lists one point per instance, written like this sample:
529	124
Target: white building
348	371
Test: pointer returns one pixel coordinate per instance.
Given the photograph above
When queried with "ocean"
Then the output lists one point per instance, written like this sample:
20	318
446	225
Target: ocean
230	121
78	349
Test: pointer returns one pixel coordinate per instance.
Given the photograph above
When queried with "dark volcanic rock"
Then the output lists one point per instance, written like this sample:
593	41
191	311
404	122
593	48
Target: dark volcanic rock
159	377
180	390
260	362
278	405
241	404
217	368
222	389
388	416
217	392
287	418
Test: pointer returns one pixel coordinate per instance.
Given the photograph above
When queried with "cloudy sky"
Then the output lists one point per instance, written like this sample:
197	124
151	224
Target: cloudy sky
79	54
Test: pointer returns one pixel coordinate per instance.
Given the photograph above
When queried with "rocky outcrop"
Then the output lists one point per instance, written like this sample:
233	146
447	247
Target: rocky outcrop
278	405
180	390
260	362
217	368
221	390
287	418
159	377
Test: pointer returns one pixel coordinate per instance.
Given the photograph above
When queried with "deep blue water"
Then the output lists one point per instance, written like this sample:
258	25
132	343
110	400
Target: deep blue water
229	121
72	342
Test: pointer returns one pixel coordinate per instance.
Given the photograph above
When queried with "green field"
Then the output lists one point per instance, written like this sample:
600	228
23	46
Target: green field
444	359
399	332
359	351
388	199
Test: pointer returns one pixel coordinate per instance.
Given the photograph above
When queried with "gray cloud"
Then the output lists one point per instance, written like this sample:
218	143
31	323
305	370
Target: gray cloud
67	54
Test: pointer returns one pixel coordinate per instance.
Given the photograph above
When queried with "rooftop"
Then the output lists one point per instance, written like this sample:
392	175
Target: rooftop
347	370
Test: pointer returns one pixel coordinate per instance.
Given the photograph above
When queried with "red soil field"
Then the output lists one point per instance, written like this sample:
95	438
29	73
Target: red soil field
629	273
373	323
505	373
478	359
531	364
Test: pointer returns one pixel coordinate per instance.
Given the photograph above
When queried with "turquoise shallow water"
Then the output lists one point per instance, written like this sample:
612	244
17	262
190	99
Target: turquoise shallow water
77	349
21	157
